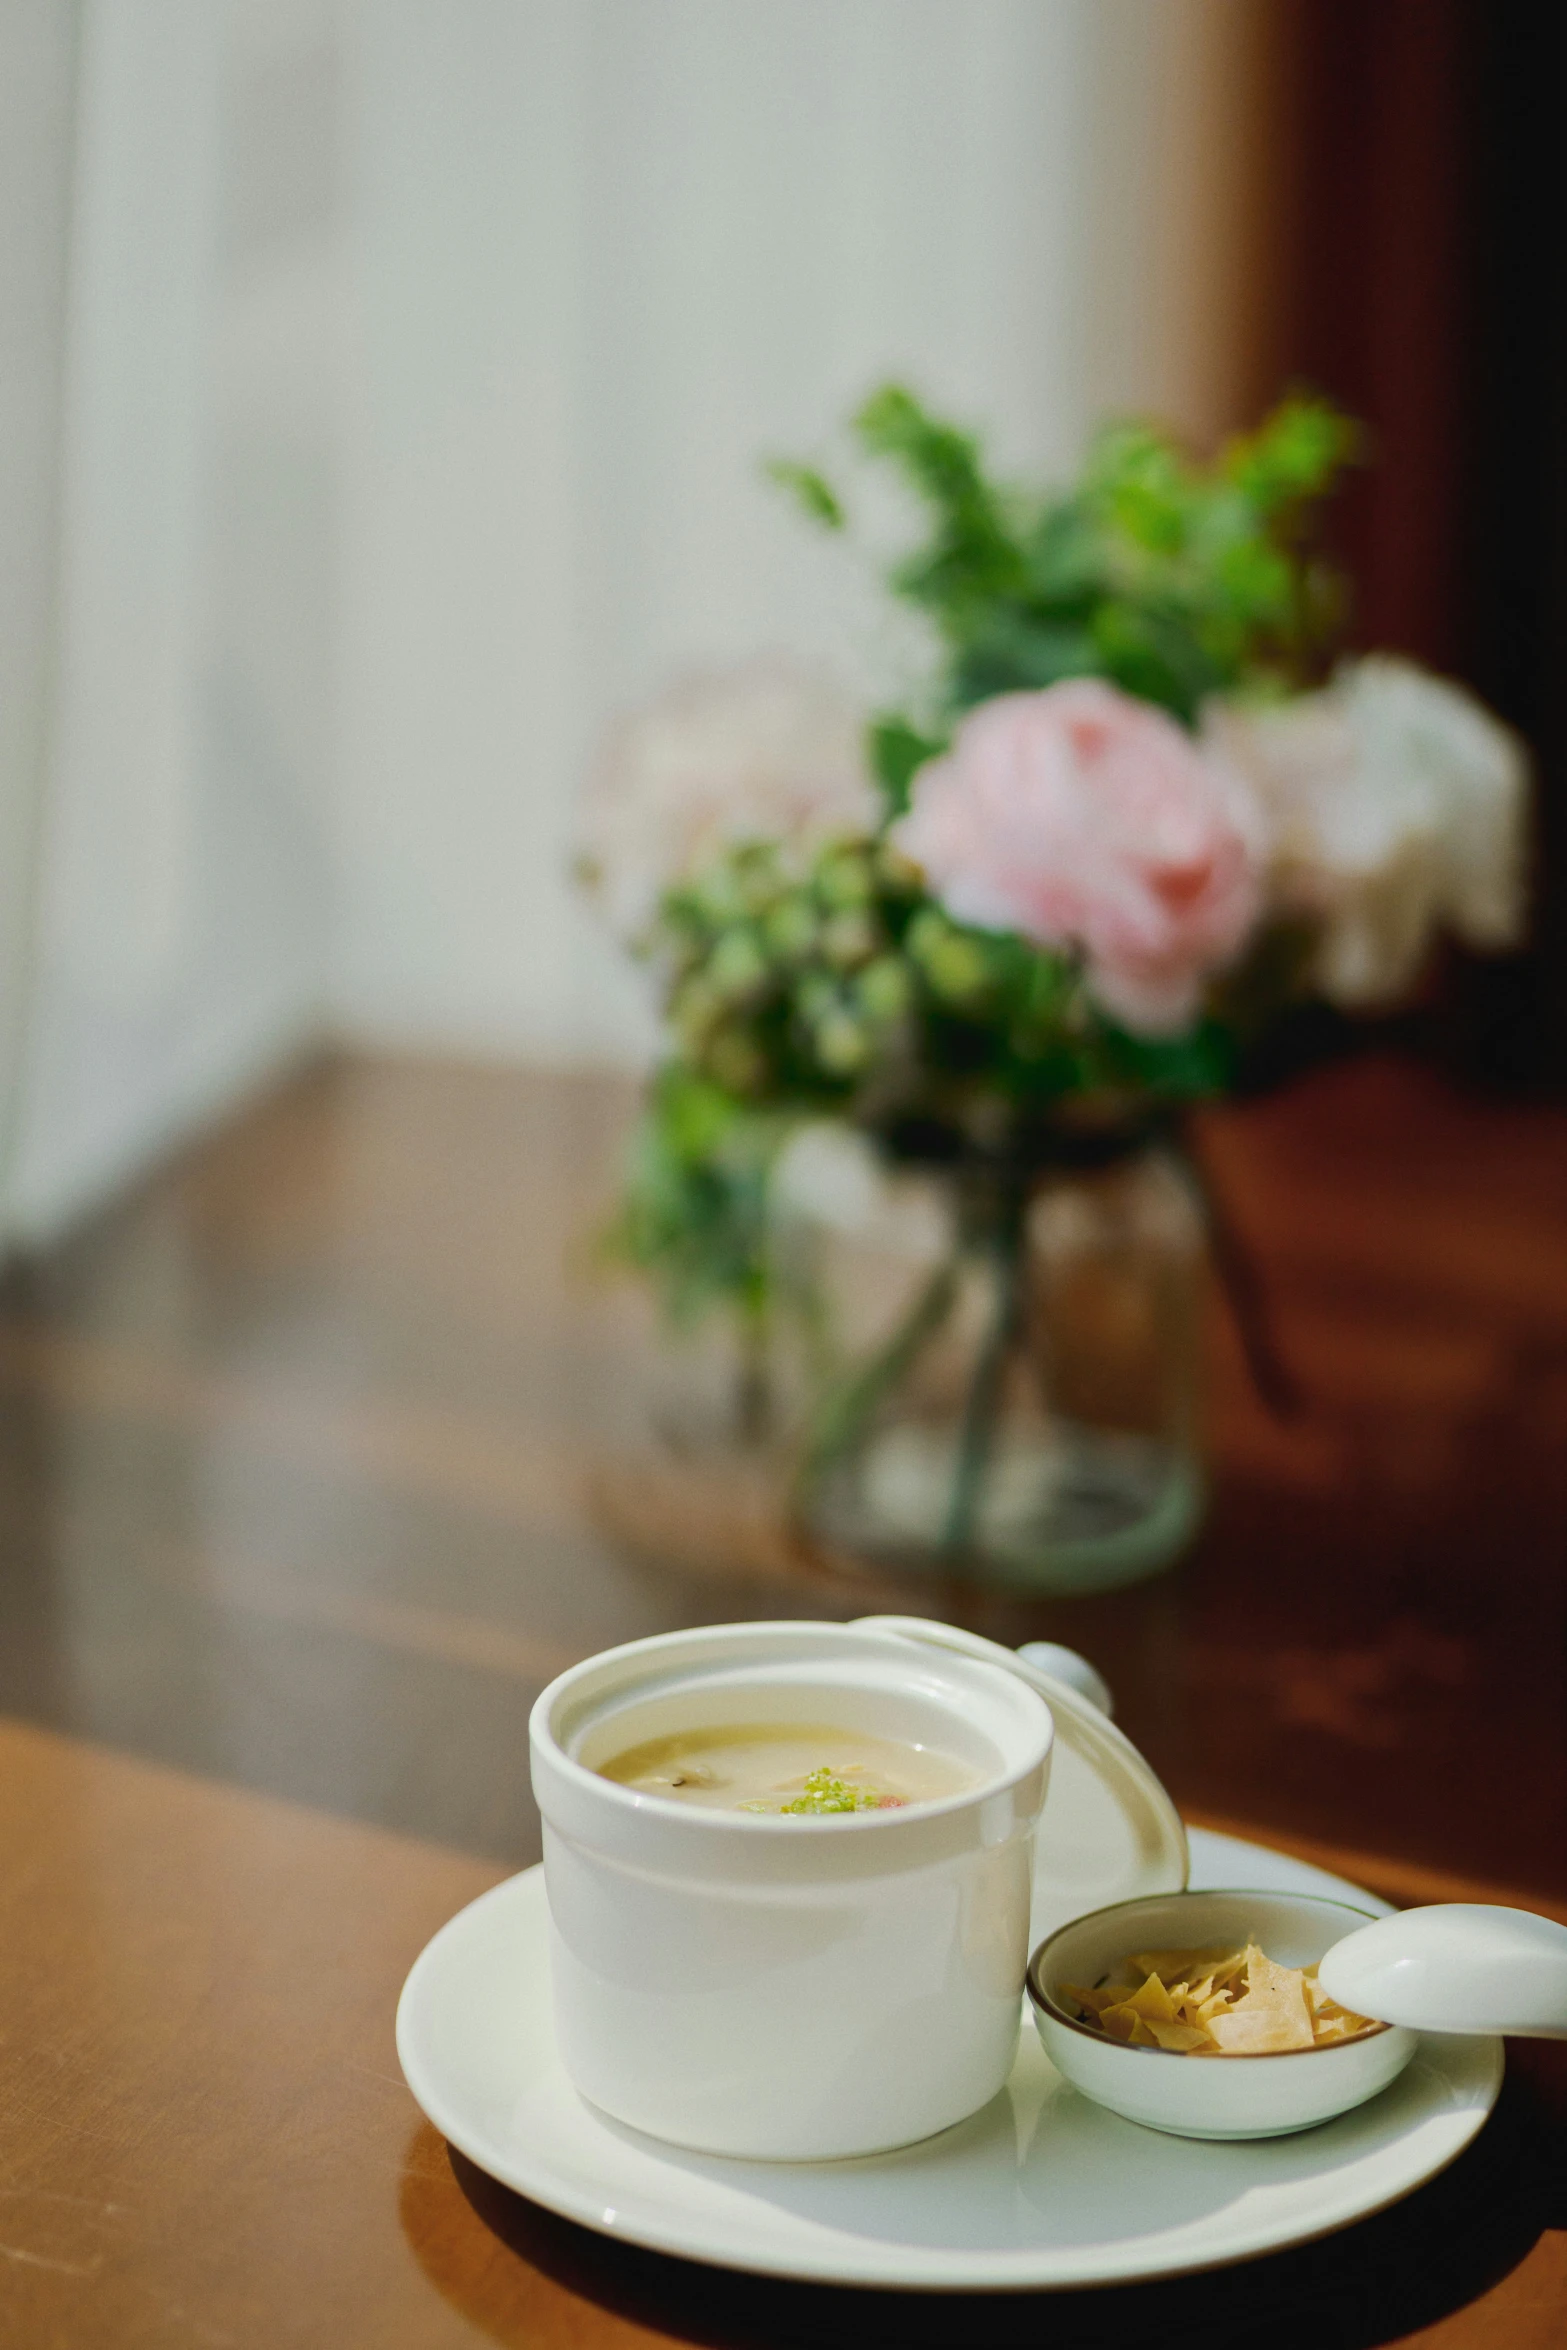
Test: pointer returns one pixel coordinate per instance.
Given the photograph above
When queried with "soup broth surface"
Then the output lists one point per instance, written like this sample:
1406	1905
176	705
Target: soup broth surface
789	1768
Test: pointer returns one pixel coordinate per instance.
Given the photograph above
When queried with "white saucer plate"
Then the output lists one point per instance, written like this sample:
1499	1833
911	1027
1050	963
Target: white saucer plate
1041	2189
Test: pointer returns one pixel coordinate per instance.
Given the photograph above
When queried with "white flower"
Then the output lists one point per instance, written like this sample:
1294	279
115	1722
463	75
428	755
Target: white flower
770	749
1399	806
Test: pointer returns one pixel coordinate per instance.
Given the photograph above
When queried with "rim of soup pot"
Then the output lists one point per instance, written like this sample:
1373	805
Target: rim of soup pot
658	1833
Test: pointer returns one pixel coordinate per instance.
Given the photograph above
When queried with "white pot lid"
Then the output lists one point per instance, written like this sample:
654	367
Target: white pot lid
1109	1831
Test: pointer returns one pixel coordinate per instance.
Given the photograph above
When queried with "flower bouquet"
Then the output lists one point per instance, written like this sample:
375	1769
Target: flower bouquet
941	987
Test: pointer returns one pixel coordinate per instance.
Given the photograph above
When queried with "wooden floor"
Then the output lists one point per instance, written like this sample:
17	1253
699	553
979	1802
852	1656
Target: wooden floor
296	1445
296	1455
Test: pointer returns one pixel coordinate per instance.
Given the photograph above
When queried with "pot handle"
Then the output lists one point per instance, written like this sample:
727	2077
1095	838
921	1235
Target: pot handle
1065	1664
1109	1831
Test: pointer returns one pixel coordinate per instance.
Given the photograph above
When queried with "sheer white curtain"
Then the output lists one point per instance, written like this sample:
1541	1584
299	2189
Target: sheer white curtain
37	102
397	375
173	931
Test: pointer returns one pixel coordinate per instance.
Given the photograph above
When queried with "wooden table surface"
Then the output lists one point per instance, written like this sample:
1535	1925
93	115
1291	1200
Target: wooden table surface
293	1455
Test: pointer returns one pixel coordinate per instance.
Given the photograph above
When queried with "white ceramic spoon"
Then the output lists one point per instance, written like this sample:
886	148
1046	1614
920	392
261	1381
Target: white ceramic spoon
1460	1966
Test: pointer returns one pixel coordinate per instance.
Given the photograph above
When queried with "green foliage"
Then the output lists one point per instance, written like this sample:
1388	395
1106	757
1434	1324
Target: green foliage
784	981
811	488
1171	578
695	1203
829	984
897	752
801	984
1192	1066
973	558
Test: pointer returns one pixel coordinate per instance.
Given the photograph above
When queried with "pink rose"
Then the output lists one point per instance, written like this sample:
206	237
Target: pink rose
1082	818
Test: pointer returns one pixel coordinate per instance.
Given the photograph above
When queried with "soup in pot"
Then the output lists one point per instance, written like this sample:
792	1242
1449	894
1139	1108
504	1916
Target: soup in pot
789	1768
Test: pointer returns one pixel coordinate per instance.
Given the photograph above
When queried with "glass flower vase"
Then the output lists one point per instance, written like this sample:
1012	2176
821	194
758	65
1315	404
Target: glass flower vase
999	1370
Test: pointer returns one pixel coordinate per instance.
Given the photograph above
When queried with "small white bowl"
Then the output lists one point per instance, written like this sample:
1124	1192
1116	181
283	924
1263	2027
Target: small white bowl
1208	2096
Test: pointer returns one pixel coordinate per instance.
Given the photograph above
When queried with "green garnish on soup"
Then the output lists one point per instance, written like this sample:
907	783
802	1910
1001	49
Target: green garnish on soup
825	1791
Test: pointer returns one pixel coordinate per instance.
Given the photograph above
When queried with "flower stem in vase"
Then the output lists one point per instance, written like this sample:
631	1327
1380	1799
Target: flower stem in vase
753	1385
977	1433
847	1408
1270	1374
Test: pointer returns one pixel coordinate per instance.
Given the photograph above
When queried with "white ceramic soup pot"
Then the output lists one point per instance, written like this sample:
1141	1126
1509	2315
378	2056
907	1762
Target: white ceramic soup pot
1208	2096
788	1988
